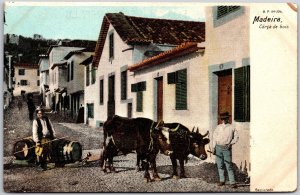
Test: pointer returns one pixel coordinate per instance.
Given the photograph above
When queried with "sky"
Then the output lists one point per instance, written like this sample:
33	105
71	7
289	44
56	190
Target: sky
84	21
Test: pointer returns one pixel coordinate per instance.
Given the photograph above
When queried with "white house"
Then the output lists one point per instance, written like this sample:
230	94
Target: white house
58	68
227	57
44	79
74	94
123	41
27	78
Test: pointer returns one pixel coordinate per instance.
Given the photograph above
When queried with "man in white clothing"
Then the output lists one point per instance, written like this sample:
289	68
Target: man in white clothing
42	133
224	137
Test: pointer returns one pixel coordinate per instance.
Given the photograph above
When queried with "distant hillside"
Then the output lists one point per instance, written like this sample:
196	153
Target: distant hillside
27	50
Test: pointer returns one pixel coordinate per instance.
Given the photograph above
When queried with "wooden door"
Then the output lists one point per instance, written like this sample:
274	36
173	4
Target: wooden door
159	99
225	95
111	97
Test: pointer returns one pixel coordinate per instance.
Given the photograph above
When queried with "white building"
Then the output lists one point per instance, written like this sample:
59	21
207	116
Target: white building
27	78
227	57
74	95
123	41
44	79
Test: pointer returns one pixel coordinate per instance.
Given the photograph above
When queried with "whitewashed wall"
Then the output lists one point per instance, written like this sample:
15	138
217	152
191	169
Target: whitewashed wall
229	42
197	90
31	76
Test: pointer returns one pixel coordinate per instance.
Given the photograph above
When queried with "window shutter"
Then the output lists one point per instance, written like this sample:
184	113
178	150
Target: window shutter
139	101
142	86
172	78
68	75
134	87
72	70
124	85
225	10
101	91
93	75
111	45
181	90
242	94
87	72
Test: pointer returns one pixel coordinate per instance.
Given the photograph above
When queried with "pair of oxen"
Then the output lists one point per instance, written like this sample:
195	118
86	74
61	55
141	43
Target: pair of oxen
146	137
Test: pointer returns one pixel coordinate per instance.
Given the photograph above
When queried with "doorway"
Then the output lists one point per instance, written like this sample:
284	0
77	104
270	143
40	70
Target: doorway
159	101
225	93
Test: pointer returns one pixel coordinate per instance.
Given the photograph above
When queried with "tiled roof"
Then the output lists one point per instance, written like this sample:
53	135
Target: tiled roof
25	65
88	45
183	49
138	30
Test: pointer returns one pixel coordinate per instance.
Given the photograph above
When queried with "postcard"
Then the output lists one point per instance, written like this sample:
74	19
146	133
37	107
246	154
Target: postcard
143	97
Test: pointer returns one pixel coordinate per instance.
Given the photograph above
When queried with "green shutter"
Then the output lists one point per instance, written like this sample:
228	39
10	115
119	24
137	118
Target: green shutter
124	85
181	90
101	91
142	86
172	78
134	87
87	72
139	101
242	94
90	108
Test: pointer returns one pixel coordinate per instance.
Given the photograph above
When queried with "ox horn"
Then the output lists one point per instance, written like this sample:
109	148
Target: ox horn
205	134
193	129
176	128
197	130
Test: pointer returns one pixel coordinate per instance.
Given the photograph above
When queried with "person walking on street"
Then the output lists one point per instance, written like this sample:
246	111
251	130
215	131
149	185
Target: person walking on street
20	104
42	134
31	106
224	137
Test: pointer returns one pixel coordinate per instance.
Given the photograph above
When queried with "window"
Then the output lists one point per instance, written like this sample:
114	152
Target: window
38	82
38	72
242	94
90	108
87	75
124	85
111	46
139	88
21	71
93	74
181	90
72	71
225	10
68	73
101	91
180	79
24	82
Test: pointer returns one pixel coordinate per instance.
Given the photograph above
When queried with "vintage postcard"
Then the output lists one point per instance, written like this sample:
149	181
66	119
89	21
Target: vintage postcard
144	97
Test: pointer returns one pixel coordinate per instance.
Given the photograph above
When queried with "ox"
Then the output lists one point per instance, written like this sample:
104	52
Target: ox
124	135
179	143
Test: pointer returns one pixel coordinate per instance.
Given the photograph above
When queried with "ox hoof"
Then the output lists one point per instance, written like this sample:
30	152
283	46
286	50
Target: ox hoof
147	180
175	177
137	168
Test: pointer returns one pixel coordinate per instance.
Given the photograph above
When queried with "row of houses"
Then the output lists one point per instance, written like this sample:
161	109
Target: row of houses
171	70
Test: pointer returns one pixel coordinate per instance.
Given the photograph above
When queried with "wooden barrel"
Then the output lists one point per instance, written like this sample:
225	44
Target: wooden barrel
65	151
22	151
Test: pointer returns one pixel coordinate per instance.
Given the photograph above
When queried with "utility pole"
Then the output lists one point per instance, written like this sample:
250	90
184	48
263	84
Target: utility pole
9	72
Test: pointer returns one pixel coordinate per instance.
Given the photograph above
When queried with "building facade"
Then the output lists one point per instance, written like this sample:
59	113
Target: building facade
125	40
27	78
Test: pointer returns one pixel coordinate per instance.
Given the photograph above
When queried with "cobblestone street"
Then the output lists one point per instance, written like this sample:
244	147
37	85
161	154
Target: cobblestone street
202	175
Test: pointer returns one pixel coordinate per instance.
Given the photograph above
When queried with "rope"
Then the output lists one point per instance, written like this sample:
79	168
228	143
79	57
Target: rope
41	144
